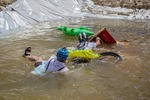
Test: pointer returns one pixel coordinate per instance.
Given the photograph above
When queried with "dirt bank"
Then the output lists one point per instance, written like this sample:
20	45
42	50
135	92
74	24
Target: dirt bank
117	3
124	3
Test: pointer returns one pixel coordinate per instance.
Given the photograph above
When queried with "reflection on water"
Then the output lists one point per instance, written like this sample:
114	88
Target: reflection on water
98	80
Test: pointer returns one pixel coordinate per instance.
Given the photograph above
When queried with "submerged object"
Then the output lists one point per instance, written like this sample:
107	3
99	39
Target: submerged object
74	31
105	37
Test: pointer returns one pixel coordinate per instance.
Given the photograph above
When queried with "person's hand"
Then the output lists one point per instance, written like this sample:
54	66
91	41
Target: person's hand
97	38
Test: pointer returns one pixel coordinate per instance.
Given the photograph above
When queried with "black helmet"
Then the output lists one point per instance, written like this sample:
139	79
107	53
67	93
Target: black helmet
83	37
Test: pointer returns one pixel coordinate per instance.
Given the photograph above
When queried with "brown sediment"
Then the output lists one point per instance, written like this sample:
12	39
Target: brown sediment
139	4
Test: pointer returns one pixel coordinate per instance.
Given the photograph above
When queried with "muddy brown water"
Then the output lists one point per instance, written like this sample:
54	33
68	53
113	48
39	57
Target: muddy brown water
98	80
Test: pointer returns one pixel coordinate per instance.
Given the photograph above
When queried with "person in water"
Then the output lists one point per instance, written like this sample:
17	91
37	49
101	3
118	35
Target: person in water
53	64
107	41
84	44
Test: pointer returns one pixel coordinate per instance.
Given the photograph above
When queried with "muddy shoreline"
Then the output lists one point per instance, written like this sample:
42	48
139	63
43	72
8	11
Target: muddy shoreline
139	4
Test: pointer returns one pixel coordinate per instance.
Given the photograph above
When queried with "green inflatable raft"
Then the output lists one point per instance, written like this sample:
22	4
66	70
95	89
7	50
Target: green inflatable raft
74	31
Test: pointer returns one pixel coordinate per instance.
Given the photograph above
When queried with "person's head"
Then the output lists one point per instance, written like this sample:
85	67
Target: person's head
62	54
83	37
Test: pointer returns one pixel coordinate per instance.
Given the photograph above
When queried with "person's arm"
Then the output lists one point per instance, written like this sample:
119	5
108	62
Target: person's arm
98	41
65	70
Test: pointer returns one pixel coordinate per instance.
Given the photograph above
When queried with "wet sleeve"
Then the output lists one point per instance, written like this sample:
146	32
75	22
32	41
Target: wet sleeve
90	46
64	70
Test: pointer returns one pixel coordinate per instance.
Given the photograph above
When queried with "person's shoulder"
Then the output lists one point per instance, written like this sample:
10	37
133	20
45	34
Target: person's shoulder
53	56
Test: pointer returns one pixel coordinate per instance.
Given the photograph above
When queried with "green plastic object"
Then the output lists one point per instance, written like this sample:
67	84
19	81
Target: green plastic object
74	31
